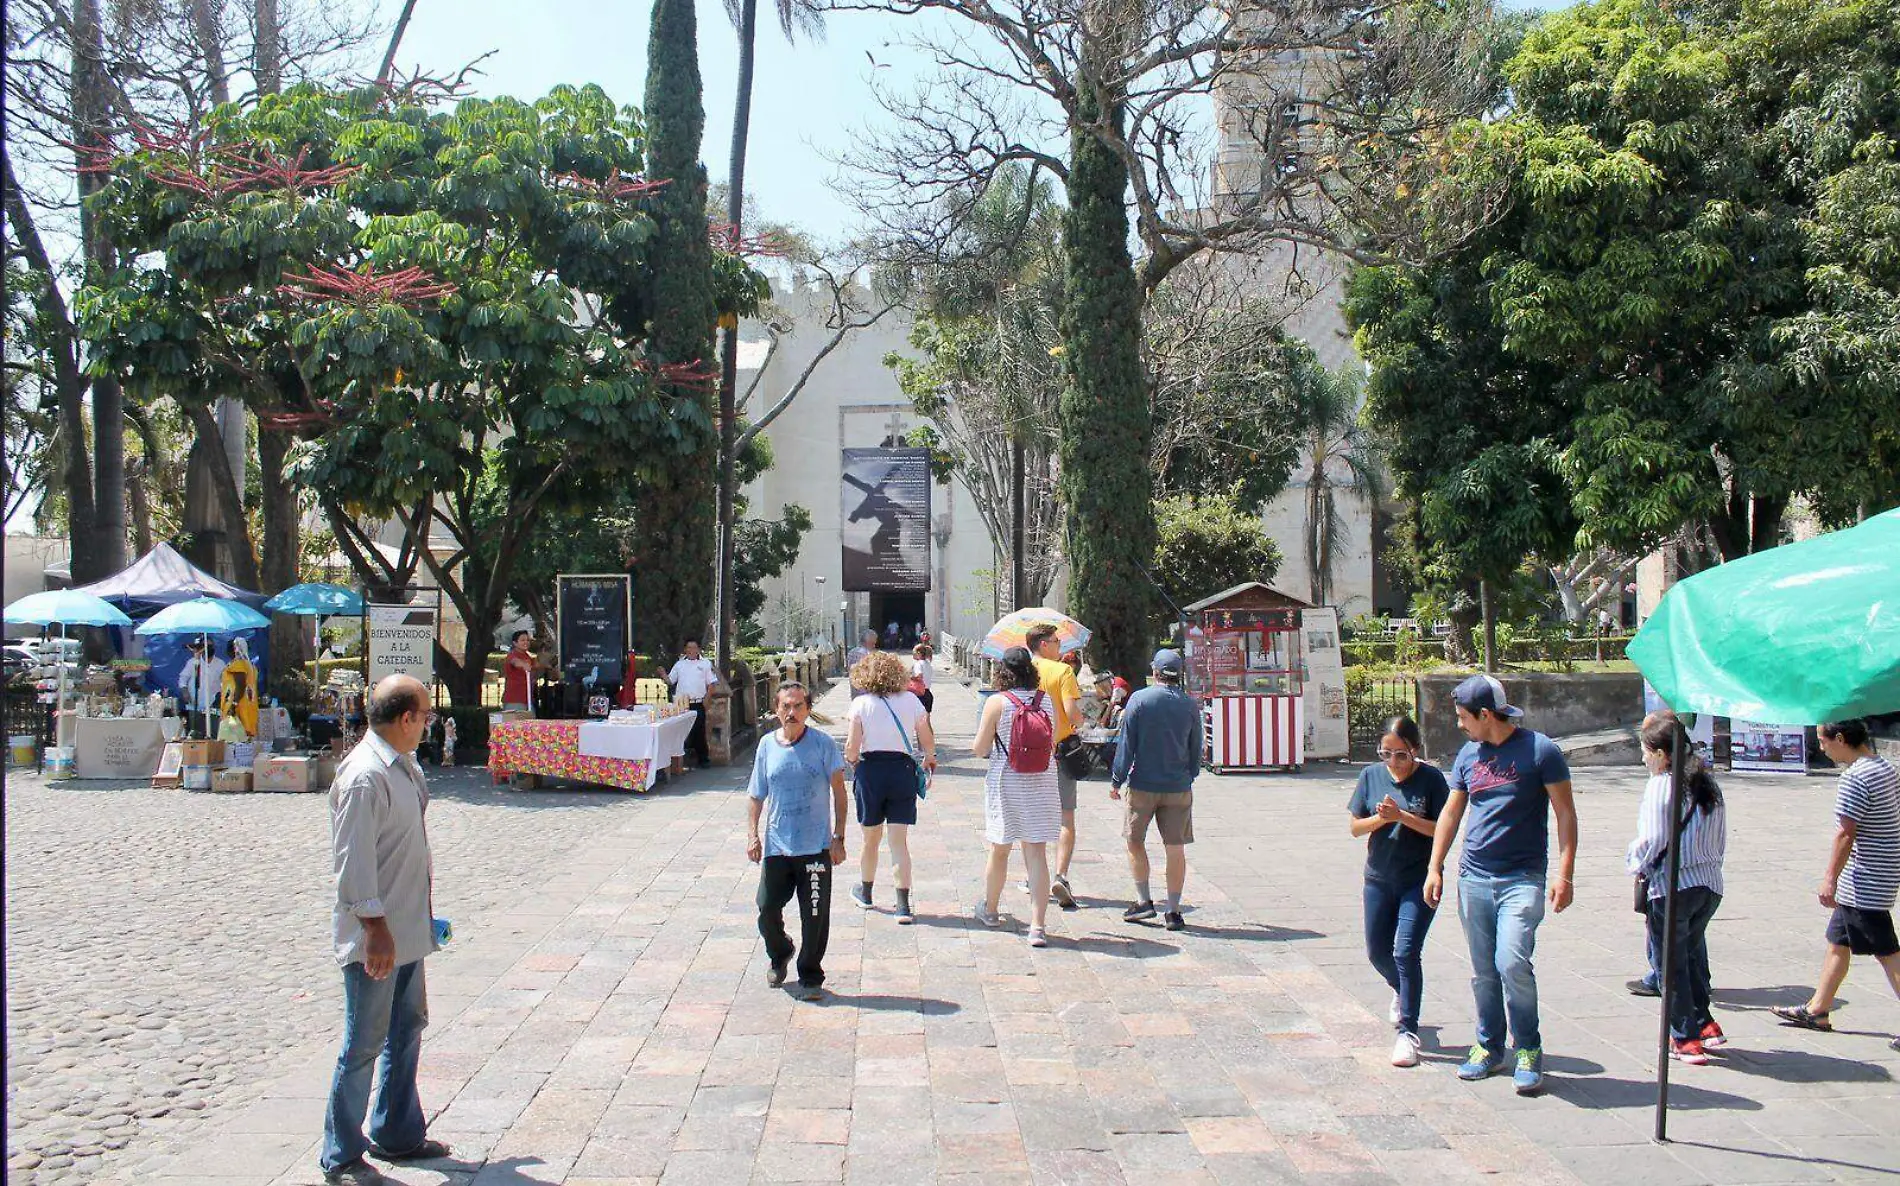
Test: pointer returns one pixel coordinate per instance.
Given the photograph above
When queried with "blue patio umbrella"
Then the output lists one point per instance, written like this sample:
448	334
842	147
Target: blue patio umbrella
204	615
316	599
65	607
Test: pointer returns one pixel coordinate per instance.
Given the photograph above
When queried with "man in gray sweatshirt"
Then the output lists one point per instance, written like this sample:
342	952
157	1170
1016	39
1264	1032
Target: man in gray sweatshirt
1157	758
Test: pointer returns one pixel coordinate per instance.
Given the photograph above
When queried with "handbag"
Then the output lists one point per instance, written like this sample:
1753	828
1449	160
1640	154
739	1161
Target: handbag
1074	758
1655	866
923	775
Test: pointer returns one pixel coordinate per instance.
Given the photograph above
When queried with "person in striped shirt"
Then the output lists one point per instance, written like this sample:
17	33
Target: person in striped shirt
1693	1030
1863	871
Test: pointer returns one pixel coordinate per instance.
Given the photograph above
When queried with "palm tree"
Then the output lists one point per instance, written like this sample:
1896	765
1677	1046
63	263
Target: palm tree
793	16
1337	454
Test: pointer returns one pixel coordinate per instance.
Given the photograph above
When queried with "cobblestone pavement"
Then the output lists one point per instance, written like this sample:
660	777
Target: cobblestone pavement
602	1018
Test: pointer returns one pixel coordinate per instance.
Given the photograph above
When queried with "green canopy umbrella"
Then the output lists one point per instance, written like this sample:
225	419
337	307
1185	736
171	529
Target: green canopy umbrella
1796	635
1801	634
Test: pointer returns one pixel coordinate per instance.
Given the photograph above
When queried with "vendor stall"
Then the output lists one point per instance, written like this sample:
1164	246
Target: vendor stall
1245	666
624	751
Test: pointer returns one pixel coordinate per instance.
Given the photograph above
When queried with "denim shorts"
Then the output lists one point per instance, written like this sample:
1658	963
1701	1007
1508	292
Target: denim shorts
885	789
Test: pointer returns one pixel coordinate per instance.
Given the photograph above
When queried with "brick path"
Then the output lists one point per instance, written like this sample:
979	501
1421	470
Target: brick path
602	1016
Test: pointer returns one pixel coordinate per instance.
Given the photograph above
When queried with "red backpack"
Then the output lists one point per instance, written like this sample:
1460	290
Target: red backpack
1032	736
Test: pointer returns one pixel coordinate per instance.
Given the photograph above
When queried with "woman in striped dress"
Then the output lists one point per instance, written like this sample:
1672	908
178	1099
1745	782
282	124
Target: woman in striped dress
1018	808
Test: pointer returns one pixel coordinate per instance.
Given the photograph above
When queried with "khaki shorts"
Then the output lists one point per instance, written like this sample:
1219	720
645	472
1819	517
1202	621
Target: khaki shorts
1173	815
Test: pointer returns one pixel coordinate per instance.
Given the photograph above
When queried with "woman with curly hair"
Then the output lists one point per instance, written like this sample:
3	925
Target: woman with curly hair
1018	807
891	749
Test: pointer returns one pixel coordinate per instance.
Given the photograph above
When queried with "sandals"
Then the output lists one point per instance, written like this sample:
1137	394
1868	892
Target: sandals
1802	1016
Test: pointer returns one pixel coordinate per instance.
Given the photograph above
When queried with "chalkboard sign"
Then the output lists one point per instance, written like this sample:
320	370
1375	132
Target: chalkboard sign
595	614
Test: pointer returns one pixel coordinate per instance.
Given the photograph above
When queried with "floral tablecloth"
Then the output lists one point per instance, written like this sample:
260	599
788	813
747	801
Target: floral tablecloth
552	748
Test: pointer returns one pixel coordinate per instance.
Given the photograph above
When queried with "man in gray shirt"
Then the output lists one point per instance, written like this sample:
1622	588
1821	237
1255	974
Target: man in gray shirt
382	928
1158	755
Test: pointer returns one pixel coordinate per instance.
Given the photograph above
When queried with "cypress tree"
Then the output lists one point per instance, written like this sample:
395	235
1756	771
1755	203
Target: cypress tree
1105	428
674	549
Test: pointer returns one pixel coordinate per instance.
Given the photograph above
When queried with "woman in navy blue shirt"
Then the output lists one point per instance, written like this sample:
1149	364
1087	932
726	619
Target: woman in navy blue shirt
1396	806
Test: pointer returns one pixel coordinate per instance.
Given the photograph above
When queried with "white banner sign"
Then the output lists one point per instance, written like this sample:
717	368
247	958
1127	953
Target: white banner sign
401	642
1324	688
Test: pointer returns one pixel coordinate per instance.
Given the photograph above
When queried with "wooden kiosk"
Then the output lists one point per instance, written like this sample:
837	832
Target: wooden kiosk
1245	665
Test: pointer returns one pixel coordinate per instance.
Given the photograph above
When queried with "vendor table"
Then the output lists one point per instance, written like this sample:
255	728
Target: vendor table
105	747
626	756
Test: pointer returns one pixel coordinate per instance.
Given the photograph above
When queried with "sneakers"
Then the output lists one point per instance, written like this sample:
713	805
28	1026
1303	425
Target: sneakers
1712	1035
1138	912
810	992
1482	1064
1060	893
1174	920
354	1173
1037	938
775	975
986	916
1529	1076
861	894
1405	1050
1643	988
1688	1050
904	915
1392	1014
429	1150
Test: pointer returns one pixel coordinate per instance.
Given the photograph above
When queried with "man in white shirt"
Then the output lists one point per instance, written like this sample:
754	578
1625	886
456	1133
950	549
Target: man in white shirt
200	682
693	677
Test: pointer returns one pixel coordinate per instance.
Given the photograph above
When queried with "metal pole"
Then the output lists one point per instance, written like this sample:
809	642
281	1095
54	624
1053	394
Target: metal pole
1678	755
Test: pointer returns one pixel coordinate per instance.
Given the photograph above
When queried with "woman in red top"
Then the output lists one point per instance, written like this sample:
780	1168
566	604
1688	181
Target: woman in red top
517	674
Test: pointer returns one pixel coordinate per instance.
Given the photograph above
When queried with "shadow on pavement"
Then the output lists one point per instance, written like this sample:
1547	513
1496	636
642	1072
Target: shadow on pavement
1803	1066
1795	1158
876	1003
1128	948
1263	933
1603	1093
1763	999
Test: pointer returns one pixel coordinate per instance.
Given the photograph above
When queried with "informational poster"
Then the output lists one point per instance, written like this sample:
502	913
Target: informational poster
111	748
1755	745
594	613
886	520
401	642
1324	689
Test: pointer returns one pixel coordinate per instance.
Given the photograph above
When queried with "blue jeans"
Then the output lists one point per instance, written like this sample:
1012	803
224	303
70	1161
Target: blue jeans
1500	916
1689	960
380	1017
1397	920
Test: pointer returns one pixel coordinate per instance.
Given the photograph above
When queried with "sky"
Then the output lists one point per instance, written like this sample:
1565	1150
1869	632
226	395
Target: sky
810	101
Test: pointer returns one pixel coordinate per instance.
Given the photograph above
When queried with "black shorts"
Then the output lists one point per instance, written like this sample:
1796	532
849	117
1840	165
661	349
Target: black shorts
1863	932
885	788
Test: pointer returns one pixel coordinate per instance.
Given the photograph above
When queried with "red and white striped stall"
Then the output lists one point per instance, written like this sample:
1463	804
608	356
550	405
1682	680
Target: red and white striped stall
1253	732
1245	664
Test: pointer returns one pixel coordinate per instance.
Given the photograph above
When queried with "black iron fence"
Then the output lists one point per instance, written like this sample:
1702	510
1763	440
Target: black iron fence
1370	703
26	715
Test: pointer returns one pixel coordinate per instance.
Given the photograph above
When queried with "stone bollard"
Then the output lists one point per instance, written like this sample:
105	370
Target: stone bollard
718	708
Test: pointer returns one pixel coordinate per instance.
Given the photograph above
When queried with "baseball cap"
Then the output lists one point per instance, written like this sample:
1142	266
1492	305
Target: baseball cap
1481	692
1167	661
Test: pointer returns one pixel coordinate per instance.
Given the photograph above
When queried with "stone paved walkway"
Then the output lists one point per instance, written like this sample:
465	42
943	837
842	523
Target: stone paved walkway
602	1017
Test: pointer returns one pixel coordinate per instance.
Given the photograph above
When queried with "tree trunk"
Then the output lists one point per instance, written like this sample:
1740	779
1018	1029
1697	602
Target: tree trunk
1019	577
1464	617
225	489
1315	531
395	41
1489	613
138	498
268	54
283	547
97	525
729	335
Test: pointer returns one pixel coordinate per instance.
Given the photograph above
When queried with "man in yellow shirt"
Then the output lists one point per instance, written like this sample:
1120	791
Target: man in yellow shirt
1058	680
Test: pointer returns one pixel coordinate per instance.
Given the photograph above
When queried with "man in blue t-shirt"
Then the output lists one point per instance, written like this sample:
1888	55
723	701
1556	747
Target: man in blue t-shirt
793	770
1512	779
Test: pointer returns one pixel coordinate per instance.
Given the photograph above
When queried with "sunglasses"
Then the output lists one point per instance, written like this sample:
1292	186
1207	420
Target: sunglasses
1388	754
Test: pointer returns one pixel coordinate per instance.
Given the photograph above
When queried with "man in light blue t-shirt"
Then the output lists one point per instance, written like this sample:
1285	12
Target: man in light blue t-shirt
793	770
1511	779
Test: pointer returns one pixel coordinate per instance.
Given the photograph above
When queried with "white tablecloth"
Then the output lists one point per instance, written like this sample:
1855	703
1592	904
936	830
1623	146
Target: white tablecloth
658	743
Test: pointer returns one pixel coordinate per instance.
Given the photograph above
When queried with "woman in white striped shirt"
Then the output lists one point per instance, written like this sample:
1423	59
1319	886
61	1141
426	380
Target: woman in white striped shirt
1693	1030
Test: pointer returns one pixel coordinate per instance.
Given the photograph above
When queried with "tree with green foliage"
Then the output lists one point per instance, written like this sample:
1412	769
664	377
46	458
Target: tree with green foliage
1106	484
1209	543
675	553
1686	315
447	307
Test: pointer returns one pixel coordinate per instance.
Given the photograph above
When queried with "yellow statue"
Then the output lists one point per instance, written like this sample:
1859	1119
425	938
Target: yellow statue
237	700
